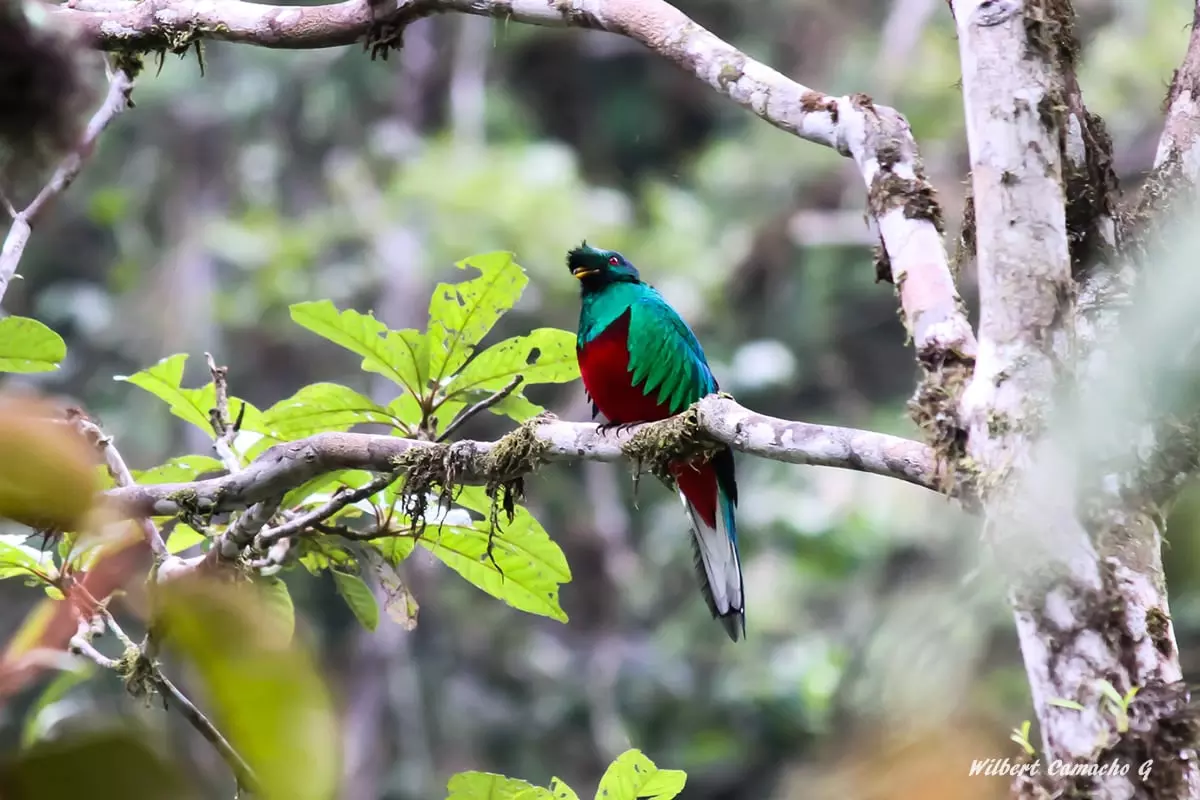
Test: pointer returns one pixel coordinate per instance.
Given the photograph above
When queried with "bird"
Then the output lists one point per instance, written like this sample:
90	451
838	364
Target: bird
640	362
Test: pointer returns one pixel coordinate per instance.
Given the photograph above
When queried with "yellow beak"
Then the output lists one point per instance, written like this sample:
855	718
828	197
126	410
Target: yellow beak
580	274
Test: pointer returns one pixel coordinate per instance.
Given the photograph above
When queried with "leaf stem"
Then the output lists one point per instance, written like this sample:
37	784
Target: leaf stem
482	405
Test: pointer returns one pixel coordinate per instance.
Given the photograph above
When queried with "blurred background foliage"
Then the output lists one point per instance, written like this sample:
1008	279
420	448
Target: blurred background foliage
281	177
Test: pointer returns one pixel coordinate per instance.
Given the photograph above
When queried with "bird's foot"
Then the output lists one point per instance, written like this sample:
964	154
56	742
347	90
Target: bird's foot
619	427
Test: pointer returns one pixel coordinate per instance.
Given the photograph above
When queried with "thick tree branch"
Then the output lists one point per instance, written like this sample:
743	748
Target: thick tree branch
719	419
877	138
120	84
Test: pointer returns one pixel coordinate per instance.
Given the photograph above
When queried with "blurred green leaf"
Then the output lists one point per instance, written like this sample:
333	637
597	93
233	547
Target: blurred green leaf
108	765
277	601
395	548
407	409
181	469
358	597
489	786
27	345
400	356
266	693
461	314
20	559
183	536
546	355
533	566
55	690
633	776
321	407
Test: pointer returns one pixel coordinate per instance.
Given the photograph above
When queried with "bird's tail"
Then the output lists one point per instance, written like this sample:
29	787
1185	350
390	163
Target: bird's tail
710	504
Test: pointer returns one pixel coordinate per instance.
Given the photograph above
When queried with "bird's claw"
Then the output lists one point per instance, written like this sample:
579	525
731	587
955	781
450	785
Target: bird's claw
619	427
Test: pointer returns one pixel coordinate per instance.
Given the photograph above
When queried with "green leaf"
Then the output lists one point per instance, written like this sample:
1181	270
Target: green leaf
183	536
321	407
20	559
181	469
533	566
164	381
461	314
27	345
633	776
56	690
517	407
488	786
277	601
359	597
546	355
406	409
261	688
395	548
560	790
400	356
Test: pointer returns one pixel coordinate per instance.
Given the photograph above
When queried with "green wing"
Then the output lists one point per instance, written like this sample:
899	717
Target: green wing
664	356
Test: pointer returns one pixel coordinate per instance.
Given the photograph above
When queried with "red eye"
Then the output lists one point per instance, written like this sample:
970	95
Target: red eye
616	262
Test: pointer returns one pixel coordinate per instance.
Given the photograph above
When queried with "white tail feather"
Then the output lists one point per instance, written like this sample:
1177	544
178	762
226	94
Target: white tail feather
721	565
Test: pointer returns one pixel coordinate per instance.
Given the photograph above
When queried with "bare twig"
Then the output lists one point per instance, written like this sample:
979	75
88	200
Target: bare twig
120	474
223	425
482	405
120	84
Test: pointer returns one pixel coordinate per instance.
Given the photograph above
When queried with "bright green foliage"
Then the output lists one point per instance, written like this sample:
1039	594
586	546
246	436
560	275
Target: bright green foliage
358	597
533	566
164	380
277	603
399	356
179	470
183	537
18	559
321	407
632	776
27	345
489	786
461	314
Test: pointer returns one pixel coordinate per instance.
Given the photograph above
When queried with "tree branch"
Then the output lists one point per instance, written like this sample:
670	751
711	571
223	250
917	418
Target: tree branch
120	474
876	137
288	465
482	405
120	84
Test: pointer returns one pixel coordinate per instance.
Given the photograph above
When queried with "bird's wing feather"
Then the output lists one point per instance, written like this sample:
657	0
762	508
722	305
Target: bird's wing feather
664	356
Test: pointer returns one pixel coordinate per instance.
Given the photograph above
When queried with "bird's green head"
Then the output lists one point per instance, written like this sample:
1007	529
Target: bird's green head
596	268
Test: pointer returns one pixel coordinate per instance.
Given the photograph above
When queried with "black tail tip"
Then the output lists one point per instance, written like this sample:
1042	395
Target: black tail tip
734	624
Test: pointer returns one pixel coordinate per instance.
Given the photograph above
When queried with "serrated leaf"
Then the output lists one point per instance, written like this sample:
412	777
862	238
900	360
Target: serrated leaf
27	345
358	597
546	355
181	469
400	356
183	536
461	314
486	786
533	566
633	776
20	559
322	407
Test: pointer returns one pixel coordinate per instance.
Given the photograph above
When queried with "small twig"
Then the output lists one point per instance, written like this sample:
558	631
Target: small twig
223	426
334	505
482	405
81	644
119	471
120	84
241	770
